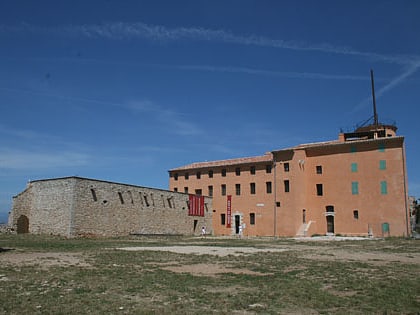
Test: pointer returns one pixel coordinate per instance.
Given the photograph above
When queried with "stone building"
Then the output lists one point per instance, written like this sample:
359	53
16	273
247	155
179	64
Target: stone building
75	206
356	185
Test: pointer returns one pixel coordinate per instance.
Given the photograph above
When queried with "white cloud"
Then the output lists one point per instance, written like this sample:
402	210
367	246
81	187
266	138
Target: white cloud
390	85
28	160
173	122
119	30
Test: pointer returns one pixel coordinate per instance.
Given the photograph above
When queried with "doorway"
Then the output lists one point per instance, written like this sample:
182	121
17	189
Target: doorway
330	219
237	223
23	224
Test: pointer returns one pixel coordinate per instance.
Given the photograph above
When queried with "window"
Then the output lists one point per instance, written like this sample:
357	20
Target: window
224	172
382	164
319	190
252	170
356	214
121	198
252	188
384	188
176	176
175	189
252	218
93	195
238	189
210	191
354	188
187	175
353	149
268	187
223	218
319	169
186	190
198	192
210	174
146	201
223	189
198	175
268	168
286	186
237	171
354	167
286	167
277	203
381	147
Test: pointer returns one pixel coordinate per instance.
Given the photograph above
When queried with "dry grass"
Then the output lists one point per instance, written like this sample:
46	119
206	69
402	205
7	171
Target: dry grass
48	275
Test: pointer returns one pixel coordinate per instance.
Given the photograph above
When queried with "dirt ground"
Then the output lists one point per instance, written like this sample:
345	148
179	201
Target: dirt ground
313	252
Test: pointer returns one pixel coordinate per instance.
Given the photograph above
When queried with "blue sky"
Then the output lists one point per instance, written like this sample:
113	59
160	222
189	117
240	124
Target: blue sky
126	90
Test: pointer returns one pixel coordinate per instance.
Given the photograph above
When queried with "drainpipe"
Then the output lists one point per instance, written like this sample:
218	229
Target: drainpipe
405	192
275	195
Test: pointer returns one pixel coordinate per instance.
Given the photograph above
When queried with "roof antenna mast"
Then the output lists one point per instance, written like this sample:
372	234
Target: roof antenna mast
375	114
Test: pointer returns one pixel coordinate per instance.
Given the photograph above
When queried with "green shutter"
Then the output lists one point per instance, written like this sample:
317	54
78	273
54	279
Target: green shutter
382	164
354	167
355	188
384	188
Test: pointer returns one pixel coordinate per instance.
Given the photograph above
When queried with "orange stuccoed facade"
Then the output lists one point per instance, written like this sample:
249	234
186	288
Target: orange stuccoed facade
353	186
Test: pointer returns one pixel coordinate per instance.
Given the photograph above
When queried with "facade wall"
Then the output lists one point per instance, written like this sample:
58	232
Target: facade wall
319	197
243	203
47	205
77	207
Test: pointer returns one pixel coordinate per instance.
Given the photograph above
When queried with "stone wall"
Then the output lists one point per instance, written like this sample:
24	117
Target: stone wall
75	206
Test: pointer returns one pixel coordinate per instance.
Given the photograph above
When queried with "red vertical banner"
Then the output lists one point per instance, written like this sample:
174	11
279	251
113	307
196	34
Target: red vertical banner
229	211
196	205
201	213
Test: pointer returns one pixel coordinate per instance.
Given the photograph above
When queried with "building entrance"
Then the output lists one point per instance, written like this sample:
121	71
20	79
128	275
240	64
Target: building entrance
330	219
23	224
237	223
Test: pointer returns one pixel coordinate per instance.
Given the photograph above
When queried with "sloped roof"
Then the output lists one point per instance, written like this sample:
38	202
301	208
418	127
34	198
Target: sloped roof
245	160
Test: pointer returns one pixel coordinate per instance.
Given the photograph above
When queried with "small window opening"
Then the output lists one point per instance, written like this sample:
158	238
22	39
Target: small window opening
146	201
252	218
238	171
222	219
252	170
93	195
121	198
268	168
210	174
268	187
238	189
223	188
198	175
224	172
252	188
319	190
186	190
286	186
356	214
319	169
286	167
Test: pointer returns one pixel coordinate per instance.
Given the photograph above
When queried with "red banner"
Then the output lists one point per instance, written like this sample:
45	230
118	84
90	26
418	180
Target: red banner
229	211
196	205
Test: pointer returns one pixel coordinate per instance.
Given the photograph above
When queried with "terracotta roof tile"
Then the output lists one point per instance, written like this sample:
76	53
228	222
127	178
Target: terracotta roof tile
246	160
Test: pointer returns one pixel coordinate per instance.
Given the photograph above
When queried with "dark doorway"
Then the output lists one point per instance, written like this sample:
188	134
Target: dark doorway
23	224
330	219
237	223
195	225
330	224
303	216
